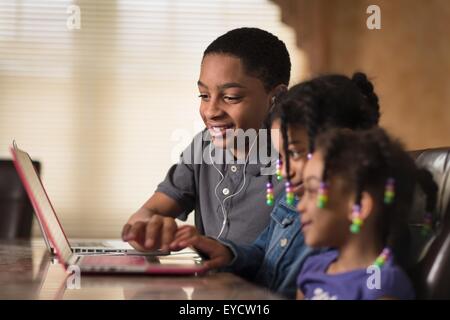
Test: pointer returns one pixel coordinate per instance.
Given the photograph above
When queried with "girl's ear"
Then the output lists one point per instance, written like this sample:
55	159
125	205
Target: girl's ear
367	204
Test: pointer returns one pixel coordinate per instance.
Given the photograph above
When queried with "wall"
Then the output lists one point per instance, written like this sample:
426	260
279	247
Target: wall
408	59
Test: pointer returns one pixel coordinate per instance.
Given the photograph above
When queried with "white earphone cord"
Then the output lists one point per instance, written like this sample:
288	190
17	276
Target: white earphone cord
224	213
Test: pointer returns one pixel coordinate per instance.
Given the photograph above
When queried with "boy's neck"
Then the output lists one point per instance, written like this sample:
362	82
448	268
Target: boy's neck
359	252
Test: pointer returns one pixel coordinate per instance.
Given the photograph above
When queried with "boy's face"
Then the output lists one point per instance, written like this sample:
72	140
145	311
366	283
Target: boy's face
298	150
230	98
329	226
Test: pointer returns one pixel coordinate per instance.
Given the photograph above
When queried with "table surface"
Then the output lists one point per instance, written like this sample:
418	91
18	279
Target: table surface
27	271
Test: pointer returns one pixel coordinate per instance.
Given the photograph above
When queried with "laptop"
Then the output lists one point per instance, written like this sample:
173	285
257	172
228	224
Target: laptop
186	261
93	246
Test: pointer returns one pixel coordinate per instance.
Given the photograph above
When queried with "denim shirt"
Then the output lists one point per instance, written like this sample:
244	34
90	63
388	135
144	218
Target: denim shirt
275	258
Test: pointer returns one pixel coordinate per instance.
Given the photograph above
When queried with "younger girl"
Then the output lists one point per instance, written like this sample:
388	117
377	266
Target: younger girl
358	191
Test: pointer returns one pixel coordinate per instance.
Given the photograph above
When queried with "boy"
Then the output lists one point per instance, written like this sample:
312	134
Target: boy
241	74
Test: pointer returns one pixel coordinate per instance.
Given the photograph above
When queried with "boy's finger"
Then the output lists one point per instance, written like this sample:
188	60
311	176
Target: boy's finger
168	231
177	243
183	232
136	230
183	228
200	243
125	230
152	234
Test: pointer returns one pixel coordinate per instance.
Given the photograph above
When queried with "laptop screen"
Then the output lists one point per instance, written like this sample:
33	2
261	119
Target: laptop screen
41	203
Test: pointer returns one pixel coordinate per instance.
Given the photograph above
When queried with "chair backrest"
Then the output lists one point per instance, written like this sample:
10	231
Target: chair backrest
16	211
438	162
431	274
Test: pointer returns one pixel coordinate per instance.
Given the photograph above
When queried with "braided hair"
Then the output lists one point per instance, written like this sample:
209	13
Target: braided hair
323	102
365	160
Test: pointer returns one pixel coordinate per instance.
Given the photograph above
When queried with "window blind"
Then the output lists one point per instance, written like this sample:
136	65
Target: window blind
107	107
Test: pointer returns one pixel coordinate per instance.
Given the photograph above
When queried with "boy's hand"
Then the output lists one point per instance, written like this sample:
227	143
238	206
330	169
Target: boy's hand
183	234
188	236
156	232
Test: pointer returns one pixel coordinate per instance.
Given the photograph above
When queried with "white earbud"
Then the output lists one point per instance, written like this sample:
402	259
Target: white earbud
272	106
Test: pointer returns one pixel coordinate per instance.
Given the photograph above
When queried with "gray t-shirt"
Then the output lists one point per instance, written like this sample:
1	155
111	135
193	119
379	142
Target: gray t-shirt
197	185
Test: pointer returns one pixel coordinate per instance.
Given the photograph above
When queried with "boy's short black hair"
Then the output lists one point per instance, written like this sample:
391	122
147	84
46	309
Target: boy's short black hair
263	54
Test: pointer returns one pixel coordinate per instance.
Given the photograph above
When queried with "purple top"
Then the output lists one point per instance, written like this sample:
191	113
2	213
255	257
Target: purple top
389	281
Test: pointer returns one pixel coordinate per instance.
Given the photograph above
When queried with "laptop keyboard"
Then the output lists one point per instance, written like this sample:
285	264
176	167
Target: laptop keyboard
90	244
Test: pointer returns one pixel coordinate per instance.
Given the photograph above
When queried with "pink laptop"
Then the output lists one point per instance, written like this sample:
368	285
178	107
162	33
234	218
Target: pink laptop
184	262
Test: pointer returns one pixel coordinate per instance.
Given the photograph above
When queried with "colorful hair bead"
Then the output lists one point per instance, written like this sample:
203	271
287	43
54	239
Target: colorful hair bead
309	156
278	171
269	194
289	194
427	224
389	191
382	258
356	219
322	198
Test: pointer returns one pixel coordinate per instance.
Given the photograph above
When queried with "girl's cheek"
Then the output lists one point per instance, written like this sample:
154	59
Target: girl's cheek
301	166
312	208
302	204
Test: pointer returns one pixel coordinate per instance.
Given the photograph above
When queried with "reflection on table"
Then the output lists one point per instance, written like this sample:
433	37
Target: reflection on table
27	271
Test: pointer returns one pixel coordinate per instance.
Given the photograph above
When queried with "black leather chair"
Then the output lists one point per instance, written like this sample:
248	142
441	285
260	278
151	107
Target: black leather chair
431	273
16	211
